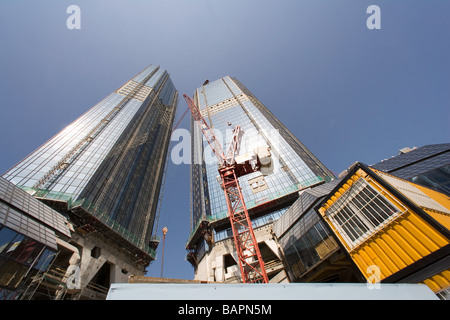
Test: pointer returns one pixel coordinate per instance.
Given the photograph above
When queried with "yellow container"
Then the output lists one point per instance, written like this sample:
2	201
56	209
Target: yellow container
403	245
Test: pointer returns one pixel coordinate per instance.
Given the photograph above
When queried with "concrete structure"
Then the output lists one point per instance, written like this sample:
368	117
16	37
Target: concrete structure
31	234
104	173
287	166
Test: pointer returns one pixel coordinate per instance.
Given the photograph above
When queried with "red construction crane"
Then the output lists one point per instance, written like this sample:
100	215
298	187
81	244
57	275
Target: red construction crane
250	261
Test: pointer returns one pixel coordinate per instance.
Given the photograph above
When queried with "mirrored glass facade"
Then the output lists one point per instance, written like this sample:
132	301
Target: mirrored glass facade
226	103
111	159
428	166
28	237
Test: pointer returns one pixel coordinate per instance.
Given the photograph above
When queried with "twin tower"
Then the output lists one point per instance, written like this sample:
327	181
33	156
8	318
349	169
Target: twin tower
104	174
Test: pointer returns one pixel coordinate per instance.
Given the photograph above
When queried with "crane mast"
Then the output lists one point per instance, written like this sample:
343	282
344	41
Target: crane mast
250	261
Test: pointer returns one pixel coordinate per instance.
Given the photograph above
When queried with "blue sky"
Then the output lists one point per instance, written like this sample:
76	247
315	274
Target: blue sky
347	92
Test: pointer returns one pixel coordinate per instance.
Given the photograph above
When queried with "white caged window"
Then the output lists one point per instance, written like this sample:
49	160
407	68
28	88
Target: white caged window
360	212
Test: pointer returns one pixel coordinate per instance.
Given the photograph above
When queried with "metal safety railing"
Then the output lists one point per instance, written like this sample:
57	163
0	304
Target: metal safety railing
113	225
98	214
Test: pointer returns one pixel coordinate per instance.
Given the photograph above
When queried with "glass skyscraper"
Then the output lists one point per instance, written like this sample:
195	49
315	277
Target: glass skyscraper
105	170
287	166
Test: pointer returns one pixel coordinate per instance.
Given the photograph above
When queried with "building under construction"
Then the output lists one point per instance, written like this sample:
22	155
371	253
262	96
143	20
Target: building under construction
284	167
366	226
103	174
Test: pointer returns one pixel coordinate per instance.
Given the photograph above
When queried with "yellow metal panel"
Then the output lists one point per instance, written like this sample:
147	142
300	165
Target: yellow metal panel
402	241
363	261
390	249
441	198
437	206
410	242
408	239
439	281
398	245
442	218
